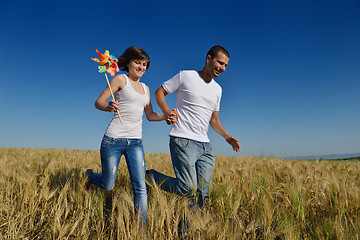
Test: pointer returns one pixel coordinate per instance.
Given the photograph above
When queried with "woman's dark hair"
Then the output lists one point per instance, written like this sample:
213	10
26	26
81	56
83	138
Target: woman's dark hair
215	50
132	53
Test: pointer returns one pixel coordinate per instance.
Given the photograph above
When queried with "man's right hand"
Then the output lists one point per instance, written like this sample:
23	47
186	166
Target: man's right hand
171	116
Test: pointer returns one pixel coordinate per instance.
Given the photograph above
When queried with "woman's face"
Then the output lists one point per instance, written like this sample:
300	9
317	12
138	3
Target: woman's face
137	68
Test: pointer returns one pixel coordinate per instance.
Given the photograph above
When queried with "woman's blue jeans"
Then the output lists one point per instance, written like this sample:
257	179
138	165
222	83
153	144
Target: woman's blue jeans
193	164
111	151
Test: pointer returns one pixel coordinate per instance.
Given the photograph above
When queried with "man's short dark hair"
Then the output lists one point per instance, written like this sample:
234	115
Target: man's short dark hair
216	49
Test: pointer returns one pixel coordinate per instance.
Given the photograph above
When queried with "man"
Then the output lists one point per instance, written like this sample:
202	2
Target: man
198	104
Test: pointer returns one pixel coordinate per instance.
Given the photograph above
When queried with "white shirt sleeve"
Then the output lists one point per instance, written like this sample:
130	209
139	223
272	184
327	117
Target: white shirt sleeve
172	84
217	107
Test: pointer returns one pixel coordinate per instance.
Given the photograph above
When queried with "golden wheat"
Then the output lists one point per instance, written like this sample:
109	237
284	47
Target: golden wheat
43	195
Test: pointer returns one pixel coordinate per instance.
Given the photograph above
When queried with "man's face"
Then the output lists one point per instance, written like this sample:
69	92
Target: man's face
218	64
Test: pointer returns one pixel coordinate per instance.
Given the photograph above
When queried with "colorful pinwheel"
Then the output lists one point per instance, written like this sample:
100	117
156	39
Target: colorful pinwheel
108	64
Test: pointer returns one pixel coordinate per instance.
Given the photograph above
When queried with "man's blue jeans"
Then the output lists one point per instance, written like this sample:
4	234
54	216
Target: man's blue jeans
193	164
111	151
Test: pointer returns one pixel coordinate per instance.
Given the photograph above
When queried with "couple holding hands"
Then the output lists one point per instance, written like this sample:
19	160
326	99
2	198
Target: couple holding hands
197	106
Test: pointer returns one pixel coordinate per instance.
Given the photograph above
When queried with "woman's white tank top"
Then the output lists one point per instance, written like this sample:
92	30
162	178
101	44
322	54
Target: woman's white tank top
131	104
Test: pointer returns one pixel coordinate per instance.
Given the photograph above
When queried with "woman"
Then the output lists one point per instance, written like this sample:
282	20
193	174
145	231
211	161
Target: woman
132	98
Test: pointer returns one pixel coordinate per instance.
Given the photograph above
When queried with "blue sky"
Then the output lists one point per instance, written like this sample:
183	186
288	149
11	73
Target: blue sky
291	87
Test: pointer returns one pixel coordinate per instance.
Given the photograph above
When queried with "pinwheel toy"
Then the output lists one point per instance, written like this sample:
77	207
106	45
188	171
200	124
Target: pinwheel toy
108	64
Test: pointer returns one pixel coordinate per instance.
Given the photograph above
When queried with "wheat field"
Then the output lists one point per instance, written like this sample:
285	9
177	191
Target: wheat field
43	195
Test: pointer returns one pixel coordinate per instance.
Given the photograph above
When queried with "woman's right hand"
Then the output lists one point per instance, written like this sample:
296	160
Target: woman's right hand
113	106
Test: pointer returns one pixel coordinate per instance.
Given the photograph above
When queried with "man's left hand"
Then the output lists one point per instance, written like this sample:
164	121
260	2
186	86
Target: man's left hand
234	143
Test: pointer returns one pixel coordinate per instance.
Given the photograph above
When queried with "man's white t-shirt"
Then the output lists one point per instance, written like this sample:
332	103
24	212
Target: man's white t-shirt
196	100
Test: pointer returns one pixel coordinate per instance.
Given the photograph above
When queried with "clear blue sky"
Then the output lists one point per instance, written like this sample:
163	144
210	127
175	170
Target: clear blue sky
291	87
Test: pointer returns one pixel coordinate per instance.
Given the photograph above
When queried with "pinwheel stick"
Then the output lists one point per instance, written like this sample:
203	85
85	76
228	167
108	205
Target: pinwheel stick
112	94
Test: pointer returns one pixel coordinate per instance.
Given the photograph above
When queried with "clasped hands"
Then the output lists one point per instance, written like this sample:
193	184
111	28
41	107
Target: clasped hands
171	116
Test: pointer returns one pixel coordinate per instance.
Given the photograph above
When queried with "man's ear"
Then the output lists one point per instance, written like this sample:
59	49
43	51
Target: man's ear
208	58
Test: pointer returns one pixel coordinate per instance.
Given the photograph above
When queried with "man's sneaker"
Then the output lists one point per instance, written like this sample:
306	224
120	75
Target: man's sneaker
183	227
